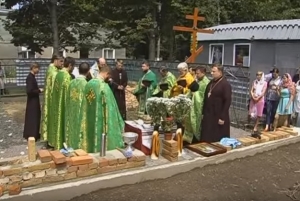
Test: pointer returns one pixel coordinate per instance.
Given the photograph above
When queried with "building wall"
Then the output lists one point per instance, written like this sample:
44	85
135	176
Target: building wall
228	51
264	55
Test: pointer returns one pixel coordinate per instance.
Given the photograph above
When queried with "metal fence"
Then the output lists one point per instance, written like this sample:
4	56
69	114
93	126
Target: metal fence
16	71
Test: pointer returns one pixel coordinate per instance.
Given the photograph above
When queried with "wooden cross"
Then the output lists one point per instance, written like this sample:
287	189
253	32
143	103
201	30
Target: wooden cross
194	30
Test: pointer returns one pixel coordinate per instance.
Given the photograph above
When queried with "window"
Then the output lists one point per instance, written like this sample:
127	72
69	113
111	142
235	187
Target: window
26	54
241	54
216	53
108	53
61	53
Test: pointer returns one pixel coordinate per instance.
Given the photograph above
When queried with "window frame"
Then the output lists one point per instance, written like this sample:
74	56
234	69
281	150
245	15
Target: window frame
64	53
114	53
234	51
210	53
25	50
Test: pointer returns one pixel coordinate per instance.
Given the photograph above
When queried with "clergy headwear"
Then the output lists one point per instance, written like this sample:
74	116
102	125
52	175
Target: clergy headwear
183	66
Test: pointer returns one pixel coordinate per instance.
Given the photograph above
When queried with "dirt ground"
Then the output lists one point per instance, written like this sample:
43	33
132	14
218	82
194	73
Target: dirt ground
270	176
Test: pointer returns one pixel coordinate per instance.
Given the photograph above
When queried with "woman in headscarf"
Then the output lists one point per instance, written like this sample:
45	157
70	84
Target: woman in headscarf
257	101
285	106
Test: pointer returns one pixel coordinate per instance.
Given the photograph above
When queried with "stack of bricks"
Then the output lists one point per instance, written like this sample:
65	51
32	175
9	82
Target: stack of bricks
170	150
281	133
53	166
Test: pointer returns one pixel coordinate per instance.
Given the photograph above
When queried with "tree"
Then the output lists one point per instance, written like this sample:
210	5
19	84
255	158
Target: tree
50	23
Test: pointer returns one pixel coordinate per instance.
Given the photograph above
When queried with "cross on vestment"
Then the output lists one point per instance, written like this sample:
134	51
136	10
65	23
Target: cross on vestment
194	30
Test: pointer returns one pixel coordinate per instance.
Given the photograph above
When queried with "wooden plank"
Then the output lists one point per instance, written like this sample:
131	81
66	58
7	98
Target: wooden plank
191	17
287	128
252	140
179	28
244	141
291	132
224	147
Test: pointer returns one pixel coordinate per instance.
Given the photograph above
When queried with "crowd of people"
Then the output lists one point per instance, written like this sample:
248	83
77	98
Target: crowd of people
208	120
82	104
278	97
79	105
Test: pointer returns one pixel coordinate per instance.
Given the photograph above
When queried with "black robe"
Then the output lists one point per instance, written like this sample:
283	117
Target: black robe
119	77
216	107
33	109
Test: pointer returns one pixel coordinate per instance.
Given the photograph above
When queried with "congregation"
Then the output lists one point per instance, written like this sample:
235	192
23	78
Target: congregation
82	104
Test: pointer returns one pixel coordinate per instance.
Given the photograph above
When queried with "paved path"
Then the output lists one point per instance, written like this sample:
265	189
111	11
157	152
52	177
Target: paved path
270	176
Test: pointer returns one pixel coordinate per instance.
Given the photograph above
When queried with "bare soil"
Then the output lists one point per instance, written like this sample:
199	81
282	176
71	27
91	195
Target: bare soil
270	176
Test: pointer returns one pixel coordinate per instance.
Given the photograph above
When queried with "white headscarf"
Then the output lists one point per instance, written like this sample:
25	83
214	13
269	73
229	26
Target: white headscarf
183	66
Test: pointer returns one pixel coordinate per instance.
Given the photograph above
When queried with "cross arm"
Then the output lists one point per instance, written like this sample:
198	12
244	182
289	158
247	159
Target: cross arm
191	17
186	29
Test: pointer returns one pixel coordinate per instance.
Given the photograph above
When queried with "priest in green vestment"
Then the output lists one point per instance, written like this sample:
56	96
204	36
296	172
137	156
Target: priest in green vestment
194	119
168	80
100	115
56	64
74	99
62	81
145	87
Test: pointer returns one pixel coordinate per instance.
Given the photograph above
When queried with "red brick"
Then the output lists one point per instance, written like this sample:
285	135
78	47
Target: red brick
81	160
14	189
103	162
44	156
80	152
69	161
58	157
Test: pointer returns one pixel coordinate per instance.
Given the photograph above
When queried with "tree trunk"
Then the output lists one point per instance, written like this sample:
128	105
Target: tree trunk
152	41
53	16
152	46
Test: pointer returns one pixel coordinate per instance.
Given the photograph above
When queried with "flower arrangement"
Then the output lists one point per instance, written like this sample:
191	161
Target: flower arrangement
182	107
168	110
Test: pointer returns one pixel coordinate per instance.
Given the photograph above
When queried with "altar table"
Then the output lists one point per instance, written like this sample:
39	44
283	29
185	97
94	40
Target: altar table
144	132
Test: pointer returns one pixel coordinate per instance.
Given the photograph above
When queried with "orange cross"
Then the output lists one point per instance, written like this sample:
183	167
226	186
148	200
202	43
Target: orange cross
194	30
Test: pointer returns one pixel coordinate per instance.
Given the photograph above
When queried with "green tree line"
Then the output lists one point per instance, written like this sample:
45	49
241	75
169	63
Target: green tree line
133	24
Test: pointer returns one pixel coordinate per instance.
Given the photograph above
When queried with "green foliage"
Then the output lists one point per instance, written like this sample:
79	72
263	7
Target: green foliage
31	25
133	24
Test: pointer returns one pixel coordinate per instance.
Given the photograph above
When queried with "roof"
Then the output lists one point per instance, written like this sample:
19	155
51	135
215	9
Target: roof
265	30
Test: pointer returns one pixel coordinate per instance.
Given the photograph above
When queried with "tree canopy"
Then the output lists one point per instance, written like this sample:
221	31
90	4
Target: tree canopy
134	24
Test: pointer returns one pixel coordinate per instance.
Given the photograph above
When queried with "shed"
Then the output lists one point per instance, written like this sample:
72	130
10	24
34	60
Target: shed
257	45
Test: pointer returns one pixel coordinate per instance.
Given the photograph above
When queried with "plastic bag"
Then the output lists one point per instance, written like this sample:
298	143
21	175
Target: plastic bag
253	112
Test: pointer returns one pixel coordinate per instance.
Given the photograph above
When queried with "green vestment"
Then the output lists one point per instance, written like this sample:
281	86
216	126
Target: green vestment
193	121
74	100
143	93
56	136
170	79
100	115
50	77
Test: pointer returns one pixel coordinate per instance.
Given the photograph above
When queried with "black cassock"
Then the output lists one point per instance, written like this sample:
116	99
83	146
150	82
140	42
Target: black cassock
119	77
216	107
33	109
